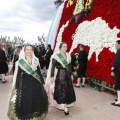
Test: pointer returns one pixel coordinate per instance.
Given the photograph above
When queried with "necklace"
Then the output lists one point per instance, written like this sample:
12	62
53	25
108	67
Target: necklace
64	55
29	61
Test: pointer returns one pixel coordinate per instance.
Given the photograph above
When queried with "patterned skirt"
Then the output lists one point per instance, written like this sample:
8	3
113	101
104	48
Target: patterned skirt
64	91
12	115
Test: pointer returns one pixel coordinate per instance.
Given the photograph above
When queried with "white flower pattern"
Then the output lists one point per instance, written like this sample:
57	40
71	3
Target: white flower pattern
96	34
59	37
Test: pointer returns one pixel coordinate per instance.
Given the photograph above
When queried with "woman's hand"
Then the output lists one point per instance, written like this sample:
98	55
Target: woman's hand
52	79
72	77
14	98
112	73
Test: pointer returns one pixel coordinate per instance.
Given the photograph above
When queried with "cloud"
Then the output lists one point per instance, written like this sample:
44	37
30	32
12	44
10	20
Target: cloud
22	17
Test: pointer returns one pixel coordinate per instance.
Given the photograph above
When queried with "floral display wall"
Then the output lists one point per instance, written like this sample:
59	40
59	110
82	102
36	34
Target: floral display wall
97	30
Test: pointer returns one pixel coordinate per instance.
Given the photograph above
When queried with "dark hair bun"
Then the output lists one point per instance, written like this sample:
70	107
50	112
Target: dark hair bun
61	44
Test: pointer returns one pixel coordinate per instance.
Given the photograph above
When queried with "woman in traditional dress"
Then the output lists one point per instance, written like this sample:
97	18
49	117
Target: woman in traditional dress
59	81
29	99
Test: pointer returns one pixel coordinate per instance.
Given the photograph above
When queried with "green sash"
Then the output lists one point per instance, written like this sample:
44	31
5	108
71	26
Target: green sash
63	61
29	69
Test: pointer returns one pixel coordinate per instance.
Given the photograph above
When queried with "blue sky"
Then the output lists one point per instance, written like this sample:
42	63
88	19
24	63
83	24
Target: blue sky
25	18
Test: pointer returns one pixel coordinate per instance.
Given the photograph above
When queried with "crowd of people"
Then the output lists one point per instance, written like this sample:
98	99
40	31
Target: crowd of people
12	55
32	94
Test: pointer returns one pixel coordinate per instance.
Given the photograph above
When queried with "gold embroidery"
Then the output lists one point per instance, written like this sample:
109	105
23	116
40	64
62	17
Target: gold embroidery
24	65
81	6
69	3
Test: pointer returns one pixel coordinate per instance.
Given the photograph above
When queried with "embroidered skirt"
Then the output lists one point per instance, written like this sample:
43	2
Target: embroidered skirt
12	115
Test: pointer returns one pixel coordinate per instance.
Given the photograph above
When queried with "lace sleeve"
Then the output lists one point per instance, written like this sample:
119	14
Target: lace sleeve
53	67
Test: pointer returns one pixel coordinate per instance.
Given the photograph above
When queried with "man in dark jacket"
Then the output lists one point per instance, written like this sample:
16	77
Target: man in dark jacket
41	56
16	56
9	53
116	72
82	61
36	51
3	64
48	54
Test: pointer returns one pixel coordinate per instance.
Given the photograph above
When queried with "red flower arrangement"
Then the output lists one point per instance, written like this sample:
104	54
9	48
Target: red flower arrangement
101	70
